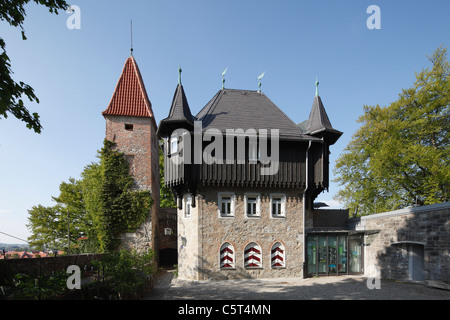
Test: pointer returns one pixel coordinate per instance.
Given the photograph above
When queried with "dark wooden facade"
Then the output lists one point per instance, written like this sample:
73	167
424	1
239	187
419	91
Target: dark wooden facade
299	150
184	177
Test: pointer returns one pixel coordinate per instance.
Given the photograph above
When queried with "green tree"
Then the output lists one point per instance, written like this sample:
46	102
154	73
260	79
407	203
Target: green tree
99	207
50	226
43	223
165	194
399	157
11	92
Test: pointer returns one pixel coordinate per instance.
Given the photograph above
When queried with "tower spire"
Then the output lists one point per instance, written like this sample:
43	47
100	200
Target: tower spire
179	74
317	87
131	30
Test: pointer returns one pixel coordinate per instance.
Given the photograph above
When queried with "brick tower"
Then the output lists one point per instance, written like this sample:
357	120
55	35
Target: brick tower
130	123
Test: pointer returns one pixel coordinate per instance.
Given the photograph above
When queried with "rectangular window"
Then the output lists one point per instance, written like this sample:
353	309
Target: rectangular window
174	145
128	126
226	204
277	205
252	205
187	207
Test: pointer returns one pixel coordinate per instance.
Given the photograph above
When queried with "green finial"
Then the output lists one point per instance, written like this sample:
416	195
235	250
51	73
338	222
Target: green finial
223	77
179	75
317	87
259	82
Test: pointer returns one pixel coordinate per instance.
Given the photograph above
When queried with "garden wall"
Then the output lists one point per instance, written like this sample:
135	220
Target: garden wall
47	265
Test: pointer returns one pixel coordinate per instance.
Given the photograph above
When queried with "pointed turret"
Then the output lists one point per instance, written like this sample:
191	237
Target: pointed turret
318	123
130	97
180	115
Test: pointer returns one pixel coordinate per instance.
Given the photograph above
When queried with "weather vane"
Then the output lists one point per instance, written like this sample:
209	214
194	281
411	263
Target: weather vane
259	78
179	74
223	77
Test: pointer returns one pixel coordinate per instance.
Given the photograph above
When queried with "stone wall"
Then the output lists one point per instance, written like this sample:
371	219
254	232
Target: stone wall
392	238
47	265
201	235
140	147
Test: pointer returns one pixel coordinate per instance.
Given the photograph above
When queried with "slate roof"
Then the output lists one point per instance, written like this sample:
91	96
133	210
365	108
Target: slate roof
130	97
180	115
319	123
244	109
180	110
318	118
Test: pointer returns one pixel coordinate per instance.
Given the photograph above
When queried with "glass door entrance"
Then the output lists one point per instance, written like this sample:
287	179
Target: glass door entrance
355	245
327	254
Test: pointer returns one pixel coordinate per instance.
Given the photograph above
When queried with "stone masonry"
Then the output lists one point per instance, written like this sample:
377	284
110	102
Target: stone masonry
136	138
393	237
203	233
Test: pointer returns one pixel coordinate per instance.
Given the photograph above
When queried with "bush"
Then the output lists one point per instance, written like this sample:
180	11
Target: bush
119	275
127	274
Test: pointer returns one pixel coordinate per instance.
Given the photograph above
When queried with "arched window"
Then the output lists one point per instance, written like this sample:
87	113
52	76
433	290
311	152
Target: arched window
227	256
278	256
252	256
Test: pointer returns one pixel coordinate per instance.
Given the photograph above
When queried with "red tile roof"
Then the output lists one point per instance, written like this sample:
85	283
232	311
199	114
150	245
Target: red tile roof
27	255
130	97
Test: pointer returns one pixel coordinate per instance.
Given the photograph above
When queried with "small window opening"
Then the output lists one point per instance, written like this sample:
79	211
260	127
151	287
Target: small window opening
128	126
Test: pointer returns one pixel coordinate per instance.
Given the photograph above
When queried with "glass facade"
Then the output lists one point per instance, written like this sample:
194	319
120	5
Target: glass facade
327	254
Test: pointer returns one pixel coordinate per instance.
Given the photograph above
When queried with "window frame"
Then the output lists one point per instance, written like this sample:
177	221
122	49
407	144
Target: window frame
173	140
220	197
257	214
282	207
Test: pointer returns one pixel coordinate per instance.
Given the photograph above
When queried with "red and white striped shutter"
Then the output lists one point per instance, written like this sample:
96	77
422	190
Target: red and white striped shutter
227	259
252	256
278	255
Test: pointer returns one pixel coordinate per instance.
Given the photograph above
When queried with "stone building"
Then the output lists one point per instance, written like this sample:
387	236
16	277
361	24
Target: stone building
246	198
130	123
245	178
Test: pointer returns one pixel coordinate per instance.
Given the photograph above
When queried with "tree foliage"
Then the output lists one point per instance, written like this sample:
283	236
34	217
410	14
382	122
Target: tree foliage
97	209
399	157
11	92
121	209
166	195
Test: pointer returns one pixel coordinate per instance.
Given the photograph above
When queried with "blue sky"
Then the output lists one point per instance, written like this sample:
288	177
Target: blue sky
74	72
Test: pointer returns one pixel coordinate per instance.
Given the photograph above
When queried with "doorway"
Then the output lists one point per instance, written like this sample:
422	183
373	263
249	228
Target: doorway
416	262
329	254
356	254
168	257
